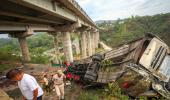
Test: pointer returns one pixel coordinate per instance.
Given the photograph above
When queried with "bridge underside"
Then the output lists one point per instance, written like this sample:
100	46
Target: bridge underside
42	13
17	16
20	18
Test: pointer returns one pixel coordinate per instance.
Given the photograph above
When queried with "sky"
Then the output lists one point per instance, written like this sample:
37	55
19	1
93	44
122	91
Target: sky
114	9
3	35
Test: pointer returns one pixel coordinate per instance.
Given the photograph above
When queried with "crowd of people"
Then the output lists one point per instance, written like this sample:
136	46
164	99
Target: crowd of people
32	90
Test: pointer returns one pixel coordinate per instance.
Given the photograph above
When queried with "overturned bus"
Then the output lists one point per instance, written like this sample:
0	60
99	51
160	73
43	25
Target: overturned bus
144	67
149	69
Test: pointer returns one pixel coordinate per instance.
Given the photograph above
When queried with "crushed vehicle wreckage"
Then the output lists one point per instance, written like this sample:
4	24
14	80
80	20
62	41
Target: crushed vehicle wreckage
140	67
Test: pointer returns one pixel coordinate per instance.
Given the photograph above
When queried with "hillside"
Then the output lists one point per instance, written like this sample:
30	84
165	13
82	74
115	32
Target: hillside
105	21
125	30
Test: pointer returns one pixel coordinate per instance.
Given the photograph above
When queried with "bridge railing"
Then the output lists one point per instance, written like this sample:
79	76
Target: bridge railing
79	8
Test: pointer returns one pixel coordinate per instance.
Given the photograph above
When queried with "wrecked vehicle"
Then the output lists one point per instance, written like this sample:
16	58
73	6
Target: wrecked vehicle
151	69
143	67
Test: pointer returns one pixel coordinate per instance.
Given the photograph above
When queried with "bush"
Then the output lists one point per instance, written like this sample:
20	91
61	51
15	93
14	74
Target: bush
37	55
7	56
39	59
113	90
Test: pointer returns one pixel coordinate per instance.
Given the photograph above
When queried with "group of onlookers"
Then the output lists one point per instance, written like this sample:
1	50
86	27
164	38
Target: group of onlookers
30	88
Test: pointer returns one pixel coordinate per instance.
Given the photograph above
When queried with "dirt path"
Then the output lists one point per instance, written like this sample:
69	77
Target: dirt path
71	93
76	93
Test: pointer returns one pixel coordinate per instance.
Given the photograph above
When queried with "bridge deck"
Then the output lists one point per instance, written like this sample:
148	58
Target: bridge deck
42	13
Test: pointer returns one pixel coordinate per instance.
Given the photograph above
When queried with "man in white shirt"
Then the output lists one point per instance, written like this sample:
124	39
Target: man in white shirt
28	85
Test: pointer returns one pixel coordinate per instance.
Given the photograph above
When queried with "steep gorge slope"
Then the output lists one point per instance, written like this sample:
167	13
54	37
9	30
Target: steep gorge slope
121	31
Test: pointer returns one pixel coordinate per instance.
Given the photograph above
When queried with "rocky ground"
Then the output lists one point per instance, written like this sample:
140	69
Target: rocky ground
71	93
37	70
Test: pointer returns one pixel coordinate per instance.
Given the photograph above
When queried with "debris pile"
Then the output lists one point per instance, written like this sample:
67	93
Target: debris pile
143	66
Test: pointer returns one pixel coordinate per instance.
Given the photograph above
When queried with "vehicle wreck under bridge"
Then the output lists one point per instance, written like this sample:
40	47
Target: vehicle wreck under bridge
141	67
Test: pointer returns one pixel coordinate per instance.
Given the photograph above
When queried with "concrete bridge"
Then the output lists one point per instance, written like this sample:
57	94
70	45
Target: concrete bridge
20	18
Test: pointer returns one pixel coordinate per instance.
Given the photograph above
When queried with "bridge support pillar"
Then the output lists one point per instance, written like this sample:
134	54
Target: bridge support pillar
89	43
97	37
23	43
67	46
93	42
24	49
83	44
56	47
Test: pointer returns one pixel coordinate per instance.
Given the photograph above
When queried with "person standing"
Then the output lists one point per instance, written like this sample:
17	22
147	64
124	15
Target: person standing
59	80
28	85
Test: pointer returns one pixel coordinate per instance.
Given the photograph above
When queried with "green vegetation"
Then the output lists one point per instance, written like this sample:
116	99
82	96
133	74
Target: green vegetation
40	59
8	56
121	31
5	67
42	40
8	52
110	92
88	95
38	43
113	90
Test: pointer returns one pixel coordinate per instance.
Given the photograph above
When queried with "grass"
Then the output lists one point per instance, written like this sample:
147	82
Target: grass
89	95
7	56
